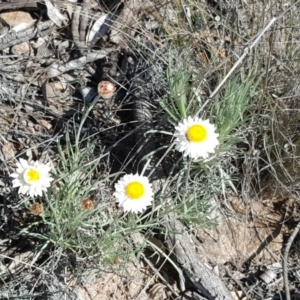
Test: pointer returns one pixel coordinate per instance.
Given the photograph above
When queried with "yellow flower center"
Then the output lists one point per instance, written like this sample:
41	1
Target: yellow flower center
31	176
134	190
196	133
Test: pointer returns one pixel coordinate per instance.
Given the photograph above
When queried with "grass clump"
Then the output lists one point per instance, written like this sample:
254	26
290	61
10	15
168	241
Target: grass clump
78	215
231	110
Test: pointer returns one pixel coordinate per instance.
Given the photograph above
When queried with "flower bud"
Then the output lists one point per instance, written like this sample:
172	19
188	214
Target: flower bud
37	208
106	89
87	204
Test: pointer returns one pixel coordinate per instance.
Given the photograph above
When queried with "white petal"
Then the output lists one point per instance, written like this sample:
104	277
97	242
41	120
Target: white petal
16	183
23	163
31	191
25	189
46	184
38	190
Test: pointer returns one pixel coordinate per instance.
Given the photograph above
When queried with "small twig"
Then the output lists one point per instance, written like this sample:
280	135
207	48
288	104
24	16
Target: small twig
56	69
91	106
236	281
138	239
19	4
84	20
156	271
247	51
161	159
204	280
14	38
75	26
29	265
285	261
31	4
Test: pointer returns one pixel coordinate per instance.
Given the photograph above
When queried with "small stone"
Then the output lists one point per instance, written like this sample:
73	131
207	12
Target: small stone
23	122
268	276
217	18
14	18
22	49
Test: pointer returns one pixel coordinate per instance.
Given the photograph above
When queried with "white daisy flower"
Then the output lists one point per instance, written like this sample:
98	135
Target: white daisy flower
32	177
196	137
133	192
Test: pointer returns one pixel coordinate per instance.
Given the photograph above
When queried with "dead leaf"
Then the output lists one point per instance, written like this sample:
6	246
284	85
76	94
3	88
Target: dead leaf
45	123
238	295
158	292
59	101
8	150
57	69
54	14
20	261
99	28
88	93
128	18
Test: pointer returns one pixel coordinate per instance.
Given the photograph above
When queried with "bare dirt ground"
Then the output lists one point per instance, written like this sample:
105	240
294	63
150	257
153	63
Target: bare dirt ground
50	67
